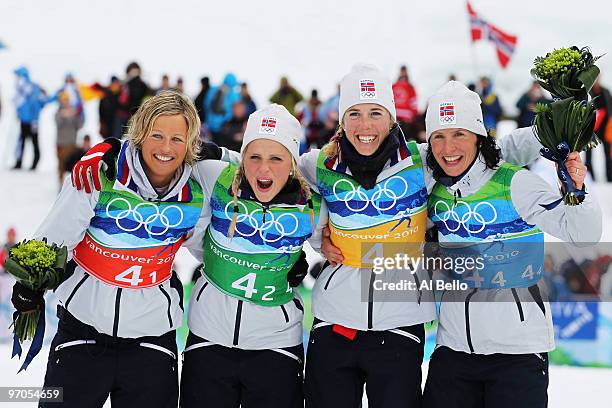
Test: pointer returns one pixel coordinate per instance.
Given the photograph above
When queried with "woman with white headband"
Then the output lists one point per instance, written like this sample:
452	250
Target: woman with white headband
493	338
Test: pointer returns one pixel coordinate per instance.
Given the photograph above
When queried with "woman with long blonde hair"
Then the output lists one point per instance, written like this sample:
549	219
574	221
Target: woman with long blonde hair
120	302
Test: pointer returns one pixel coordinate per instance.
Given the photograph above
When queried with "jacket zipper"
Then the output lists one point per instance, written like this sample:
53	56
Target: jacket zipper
298	304
534	290
285	313
237	324
370	300
518	304
467	319
330	277
117	307
169	302
201	290
76	287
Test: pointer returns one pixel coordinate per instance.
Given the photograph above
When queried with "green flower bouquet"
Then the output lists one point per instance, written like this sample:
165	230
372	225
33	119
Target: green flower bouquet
567	72
39	267
566	125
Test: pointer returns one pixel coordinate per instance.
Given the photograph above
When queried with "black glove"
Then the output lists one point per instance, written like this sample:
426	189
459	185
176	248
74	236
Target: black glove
299	271
106	151
25	299
210	151
110	157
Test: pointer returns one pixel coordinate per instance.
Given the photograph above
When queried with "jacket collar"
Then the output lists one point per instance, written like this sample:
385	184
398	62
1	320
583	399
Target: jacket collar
473	180
400	157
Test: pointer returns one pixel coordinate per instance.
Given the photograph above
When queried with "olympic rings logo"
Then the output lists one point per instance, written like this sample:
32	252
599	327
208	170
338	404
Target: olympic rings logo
447	119
368	95
362	196
137	216
451	214
274	224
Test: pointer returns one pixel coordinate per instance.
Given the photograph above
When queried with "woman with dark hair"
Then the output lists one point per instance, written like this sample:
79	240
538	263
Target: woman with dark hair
493	337
486	146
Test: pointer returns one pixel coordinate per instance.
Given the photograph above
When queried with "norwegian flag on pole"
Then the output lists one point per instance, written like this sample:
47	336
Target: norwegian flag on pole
482	30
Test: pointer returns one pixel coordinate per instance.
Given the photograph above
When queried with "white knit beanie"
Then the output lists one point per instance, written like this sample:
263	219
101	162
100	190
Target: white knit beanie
454	106
366	84
274	122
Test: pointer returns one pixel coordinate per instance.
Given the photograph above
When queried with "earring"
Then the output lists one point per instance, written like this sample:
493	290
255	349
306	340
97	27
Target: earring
291	173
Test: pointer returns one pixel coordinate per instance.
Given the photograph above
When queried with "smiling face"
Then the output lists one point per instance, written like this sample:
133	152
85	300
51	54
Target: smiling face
366	126
266	166
454	149
164	149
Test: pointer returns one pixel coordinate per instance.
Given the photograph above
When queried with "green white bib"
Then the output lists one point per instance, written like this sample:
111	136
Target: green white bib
267	242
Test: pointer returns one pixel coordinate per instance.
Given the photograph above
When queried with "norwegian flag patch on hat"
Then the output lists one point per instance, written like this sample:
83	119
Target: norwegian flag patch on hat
267	125
447	113
367	89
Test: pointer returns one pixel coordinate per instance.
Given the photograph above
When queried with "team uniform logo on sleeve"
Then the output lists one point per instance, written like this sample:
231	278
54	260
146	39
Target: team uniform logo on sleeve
367	89
447	113
267	126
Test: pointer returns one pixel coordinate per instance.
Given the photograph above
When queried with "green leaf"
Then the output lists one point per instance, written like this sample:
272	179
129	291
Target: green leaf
544	130
588	77
559	111
16	270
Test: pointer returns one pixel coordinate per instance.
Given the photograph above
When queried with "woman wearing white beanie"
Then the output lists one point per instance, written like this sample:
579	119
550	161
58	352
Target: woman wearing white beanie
493	337
245	320
375	186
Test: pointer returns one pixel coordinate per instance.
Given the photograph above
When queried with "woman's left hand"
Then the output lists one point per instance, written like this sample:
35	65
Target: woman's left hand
577	170
329	251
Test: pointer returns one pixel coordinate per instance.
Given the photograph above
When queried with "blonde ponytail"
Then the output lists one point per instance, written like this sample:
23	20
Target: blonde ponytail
235	185
332	148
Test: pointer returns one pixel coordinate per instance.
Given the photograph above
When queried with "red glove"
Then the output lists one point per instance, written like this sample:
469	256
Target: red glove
87	170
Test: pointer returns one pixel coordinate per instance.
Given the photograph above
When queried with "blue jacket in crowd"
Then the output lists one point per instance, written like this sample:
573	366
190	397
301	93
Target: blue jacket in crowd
30	99
218	107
